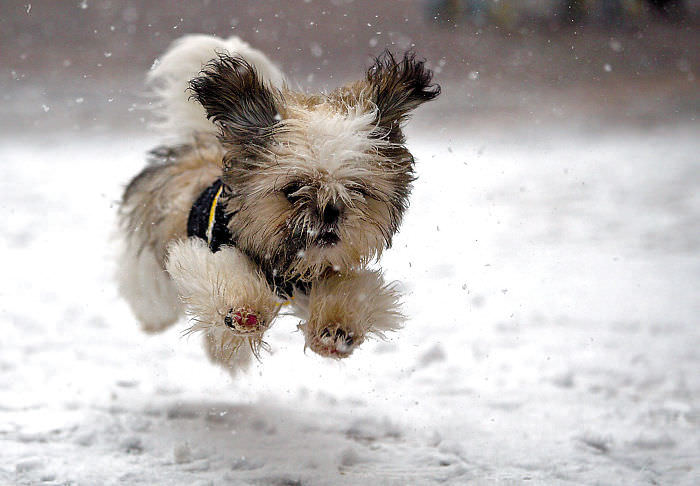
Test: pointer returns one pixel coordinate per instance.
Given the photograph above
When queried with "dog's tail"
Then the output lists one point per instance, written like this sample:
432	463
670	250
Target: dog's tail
178	114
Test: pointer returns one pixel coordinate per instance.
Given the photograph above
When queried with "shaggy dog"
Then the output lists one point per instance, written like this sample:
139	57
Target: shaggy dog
267	196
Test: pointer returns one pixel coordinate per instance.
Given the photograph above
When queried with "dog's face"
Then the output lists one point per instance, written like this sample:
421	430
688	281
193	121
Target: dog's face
315	182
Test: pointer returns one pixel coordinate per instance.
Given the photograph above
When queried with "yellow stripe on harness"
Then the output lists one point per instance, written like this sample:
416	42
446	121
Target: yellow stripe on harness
212	213
286	302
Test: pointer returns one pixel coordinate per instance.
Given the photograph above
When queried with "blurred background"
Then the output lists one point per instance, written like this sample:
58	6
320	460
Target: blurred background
79	65
549	261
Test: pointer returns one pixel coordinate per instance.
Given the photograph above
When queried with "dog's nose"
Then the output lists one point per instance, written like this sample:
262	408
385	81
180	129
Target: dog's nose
330	214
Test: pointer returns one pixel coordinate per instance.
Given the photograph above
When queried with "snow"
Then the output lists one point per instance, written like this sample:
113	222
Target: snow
551	283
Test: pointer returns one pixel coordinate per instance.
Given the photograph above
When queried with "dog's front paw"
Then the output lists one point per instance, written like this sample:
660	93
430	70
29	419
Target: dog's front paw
333	341
345	309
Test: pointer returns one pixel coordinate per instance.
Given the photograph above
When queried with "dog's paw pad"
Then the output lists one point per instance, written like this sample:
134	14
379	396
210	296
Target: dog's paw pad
334	342
243	320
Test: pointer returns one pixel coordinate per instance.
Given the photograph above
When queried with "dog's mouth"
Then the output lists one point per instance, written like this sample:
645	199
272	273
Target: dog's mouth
327	239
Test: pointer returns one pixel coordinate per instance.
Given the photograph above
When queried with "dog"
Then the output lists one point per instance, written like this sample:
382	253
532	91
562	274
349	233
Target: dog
264	196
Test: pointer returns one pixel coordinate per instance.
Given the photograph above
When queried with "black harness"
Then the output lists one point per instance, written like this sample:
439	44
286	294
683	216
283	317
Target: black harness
209	221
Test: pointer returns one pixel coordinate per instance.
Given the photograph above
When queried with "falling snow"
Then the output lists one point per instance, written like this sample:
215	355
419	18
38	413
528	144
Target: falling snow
560	345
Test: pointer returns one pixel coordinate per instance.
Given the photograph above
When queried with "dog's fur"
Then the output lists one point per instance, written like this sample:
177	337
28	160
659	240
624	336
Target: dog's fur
315	187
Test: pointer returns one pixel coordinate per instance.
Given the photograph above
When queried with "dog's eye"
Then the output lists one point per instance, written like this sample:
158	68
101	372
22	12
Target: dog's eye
290	191
362	191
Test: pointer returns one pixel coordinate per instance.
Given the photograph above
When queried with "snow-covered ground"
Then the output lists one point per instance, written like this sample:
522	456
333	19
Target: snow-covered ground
552	286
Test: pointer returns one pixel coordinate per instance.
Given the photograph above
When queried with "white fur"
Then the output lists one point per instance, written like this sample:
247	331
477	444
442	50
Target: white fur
332	141
210	284
148	289
184	59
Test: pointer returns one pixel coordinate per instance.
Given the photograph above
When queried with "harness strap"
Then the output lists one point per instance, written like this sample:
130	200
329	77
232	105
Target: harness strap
212	216
208	219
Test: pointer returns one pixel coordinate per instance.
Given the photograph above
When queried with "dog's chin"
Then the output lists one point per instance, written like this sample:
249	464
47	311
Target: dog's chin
332	250
325	253
328	252
327	239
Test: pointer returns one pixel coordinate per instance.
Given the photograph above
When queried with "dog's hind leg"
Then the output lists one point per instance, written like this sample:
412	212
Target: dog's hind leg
148	289
154	211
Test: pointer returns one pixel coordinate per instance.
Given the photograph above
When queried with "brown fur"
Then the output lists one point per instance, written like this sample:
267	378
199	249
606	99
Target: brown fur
157	202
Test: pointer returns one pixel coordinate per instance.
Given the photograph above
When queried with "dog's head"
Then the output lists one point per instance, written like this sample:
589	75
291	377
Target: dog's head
315	182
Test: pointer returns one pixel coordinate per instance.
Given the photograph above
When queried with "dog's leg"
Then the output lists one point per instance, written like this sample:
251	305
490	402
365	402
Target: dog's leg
344	309
226	297
148	289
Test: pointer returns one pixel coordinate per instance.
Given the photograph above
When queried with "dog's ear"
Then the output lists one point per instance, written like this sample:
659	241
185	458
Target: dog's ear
398	87
236	100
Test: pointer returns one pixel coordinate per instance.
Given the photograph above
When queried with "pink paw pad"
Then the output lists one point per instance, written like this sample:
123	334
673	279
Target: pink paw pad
242	319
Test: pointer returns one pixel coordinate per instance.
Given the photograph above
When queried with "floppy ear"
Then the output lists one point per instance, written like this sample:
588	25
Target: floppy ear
236	99
398	87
